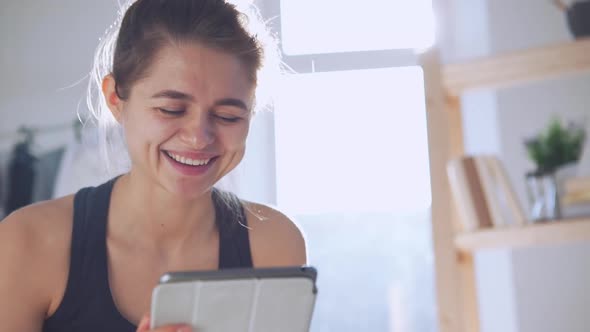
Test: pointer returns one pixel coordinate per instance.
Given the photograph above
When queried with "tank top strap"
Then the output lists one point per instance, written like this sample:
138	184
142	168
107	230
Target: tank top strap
234	242
87	288
89	233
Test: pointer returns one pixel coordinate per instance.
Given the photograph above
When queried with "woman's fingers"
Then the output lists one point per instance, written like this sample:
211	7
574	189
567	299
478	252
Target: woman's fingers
144	326
173	328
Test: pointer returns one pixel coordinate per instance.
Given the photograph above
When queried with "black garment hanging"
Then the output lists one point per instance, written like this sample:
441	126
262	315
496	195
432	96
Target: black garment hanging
21	174
46	168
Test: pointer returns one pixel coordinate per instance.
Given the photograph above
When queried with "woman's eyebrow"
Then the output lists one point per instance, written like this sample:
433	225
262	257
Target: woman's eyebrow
232	102
173	94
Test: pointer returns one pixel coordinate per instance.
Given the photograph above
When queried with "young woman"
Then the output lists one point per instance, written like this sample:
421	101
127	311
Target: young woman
182	87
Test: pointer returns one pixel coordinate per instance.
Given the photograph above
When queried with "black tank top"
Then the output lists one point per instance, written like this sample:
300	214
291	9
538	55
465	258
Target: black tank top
88	304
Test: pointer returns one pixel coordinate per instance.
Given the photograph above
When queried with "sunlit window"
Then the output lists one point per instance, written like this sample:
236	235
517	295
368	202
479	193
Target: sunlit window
330	26
352	159
352	169
345	136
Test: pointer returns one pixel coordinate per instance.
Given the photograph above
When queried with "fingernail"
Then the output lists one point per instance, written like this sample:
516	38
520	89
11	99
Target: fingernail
145	321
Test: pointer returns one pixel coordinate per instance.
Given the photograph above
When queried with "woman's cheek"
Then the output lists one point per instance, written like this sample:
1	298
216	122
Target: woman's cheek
144	134
238	137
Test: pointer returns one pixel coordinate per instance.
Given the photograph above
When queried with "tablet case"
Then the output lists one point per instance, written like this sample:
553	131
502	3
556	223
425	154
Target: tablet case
234	300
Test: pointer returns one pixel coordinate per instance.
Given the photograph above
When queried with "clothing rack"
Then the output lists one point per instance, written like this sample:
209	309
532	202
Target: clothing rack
26	133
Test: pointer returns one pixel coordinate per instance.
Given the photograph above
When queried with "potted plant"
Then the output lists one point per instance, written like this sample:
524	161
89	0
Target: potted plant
578	16
555	147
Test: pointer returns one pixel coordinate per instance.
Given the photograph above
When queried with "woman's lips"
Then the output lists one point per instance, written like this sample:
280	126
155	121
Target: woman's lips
190	154
189	166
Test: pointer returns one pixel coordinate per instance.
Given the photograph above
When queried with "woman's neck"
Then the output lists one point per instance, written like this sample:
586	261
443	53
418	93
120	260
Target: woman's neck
148	215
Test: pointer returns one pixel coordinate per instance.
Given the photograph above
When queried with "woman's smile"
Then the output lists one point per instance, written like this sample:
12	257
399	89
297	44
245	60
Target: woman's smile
190	164
189	149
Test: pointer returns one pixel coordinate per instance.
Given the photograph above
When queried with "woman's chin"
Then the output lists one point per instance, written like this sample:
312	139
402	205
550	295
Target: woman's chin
189	190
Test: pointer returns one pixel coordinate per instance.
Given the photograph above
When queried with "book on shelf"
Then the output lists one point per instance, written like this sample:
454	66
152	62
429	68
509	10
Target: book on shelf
468	194
483	194
576	191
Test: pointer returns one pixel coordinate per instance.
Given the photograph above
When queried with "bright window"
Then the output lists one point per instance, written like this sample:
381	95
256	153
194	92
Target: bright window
352	160
330	26
343	136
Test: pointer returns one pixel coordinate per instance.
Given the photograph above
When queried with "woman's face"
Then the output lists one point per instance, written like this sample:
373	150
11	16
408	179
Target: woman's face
187	121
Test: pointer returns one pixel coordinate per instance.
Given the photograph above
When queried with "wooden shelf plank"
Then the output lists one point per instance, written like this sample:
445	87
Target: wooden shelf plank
518	67
541	234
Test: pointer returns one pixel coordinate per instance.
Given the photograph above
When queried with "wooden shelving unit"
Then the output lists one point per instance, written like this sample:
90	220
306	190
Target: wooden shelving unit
444	84
522	67
540	234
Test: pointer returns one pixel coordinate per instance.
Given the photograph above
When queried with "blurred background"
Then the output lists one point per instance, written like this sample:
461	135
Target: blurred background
345	150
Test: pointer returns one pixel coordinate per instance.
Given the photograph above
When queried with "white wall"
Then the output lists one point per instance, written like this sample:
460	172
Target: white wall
543	289
552	288
47	47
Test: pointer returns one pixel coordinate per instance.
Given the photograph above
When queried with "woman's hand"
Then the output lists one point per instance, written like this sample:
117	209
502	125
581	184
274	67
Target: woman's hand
144	326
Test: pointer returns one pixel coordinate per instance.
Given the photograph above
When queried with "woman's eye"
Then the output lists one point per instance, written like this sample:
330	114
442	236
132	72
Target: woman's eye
228	119
170	112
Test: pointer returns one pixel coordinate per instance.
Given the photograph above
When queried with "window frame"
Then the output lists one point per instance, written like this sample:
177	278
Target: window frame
340	61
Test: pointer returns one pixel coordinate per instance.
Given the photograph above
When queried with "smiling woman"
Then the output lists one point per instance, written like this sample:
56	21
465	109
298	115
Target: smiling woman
194	104
179	80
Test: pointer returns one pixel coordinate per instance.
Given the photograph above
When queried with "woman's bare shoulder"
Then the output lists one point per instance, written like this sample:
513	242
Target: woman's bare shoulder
40	223
34	255
275	239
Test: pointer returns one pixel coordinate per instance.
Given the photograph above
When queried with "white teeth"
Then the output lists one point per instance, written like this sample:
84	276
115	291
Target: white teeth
188	161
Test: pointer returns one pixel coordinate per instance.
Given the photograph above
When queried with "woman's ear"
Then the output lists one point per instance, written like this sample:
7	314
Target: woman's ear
113	101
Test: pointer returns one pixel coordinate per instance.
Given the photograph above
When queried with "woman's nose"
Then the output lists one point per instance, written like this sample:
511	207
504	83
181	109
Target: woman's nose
198	133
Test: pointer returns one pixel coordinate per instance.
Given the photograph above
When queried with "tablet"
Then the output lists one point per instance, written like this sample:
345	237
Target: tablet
234	300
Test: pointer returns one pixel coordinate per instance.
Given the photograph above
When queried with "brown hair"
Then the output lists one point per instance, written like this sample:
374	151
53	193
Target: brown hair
148	25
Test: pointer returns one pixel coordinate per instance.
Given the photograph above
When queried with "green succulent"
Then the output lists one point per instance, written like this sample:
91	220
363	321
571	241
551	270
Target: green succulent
556	146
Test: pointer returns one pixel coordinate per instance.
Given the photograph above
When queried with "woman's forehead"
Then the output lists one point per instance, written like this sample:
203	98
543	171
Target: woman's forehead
198	69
